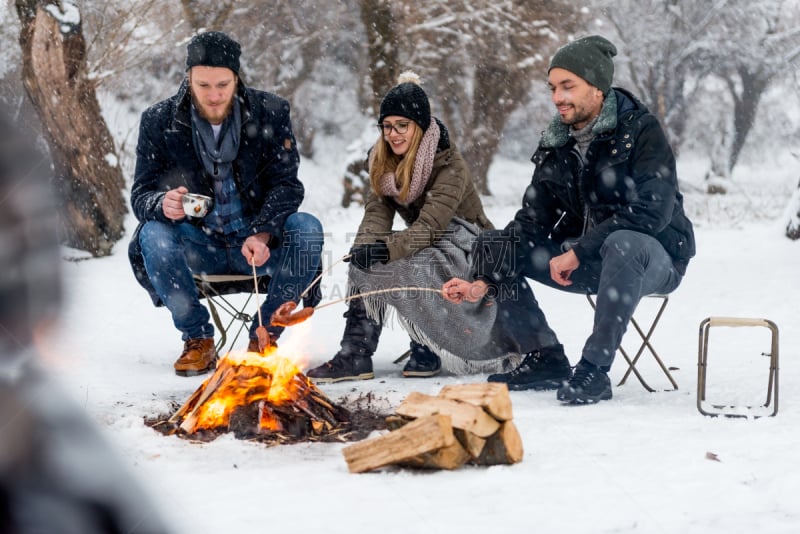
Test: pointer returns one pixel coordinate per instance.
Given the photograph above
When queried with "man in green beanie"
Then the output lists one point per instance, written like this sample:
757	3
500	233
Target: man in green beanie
602	215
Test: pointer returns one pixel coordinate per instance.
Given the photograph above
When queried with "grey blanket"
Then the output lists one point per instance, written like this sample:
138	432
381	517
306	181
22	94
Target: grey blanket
470	337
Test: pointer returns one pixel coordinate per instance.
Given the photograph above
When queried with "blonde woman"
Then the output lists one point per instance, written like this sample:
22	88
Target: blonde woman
415	172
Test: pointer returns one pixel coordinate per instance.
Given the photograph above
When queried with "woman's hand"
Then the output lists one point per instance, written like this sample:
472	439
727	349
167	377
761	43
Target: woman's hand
365	256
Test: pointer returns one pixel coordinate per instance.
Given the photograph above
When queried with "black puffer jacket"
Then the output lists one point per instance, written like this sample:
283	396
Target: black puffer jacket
629	182
265	169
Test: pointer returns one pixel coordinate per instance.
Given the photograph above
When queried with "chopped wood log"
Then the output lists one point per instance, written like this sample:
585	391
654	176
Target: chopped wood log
450	457
471	443
502	447
418	437
464	415
491	396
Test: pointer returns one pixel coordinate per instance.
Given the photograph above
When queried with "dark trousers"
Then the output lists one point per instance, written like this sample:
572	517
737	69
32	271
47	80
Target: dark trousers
631	265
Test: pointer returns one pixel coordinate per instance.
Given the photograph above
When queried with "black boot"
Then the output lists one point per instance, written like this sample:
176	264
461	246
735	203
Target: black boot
588	385
541	369
422	363
354	359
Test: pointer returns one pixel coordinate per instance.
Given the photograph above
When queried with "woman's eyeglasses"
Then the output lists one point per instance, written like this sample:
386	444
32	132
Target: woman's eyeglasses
400	127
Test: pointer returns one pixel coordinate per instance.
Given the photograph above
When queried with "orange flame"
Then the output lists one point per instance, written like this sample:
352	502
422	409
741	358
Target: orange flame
246	378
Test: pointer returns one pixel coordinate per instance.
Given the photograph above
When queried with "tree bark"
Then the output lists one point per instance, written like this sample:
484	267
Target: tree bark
380	26
499	89
793	225
382	47
88	180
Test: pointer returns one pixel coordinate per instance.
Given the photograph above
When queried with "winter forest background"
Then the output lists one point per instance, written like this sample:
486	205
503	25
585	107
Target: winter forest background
720	74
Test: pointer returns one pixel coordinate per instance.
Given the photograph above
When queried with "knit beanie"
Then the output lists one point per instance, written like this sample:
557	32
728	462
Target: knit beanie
407	99
213	49
589	58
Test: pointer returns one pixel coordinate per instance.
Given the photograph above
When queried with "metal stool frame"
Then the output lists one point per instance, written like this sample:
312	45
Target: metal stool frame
215	299
702	362
645	337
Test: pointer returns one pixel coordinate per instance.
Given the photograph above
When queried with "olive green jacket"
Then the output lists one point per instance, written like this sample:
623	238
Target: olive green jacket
450	192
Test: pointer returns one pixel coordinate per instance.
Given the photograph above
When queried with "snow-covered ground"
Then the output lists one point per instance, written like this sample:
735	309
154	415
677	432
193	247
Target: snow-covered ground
638	463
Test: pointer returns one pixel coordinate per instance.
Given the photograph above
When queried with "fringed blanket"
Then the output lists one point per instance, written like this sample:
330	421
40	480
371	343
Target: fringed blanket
470	338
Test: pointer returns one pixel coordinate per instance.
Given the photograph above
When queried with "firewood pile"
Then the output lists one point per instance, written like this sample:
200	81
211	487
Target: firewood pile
464	423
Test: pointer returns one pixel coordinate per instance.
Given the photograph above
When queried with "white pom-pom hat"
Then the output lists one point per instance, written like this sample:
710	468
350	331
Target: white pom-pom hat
407	99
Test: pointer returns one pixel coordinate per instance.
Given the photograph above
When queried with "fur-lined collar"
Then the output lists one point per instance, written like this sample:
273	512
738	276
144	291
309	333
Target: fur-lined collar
557	133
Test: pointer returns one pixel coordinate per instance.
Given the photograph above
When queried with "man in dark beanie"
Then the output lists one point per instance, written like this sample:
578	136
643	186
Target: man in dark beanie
591	58
235	146
602	215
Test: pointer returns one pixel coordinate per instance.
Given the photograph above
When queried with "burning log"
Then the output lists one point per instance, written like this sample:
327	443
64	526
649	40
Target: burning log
256	394
477	416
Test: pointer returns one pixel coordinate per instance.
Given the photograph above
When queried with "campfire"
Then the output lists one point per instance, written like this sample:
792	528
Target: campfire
265	397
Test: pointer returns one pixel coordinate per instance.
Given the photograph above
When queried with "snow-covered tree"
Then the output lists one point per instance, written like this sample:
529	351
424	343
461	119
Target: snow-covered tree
757	43
88	179
478	60
679	50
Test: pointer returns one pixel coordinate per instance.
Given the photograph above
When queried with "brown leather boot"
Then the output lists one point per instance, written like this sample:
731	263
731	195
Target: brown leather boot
199	357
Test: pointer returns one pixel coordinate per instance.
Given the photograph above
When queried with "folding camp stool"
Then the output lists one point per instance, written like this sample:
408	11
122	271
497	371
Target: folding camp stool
216	288
646	344
702	362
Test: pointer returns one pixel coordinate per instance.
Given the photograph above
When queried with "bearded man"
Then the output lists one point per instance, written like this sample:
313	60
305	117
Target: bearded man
603	215
234	145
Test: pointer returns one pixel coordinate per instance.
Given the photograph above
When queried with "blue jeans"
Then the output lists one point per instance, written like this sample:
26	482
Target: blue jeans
172	252
631	265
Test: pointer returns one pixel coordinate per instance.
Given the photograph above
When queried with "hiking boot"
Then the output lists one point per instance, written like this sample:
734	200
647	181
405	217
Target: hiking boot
199	357
422	362
588	385
343	367
545	368
359	341
361	334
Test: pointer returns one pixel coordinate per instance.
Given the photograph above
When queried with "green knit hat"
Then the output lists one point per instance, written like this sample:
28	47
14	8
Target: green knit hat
589	58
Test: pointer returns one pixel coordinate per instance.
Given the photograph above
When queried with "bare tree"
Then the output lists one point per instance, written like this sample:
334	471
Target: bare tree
88	179
480	57
383	46
662	42
483	57
767	42
207	14
678	48
792	230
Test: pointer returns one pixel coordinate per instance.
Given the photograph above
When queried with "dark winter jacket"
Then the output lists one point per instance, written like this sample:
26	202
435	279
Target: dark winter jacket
265	169
450	192
629	182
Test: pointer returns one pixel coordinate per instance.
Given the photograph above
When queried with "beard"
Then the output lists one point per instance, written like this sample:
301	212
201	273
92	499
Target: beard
214	116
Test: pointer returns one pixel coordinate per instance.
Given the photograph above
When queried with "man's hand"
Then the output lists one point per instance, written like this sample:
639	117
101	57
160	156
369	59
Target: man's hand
255	248
561	267
457	290
172	205
365	256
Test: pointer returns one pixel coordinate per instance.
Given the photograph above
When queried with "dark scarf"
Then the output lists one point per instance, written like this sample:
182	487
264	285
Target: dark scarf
217	157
